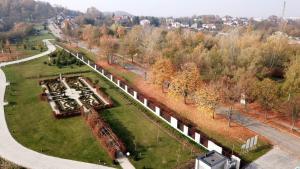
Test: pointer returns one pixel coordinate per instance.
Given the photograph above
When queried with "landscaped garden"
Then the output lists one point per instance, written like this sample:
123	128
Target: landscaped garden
151	145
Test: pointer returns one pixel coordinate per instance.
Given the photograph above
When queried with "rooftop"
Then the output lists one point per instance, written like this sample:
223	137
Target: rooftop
212	158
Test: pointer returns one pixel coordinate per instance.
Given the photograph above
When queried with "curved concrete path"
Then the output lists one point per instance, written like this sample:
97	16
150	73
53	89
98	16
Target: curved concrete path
12	151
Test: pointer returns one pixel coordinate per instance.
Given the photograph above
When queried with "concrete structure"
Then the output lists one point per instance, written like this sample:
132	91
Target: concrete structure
211	160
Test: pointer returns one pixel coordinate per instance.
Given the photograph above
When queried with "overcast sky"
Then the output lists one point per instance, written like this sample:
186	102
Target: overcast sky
249	8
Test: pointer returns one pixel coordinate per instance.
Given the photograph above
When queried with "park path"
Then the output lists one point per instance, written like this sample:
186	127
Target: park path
12	151
286	153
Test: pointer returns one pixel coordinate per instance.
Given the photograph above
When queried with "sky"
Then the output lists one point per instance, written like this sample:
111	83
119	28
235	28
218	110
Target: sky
178	8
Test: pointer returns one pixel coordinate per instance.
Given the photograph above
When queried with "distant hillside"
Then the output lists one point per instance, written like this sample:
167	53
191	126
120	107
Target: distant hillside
14	11
117	13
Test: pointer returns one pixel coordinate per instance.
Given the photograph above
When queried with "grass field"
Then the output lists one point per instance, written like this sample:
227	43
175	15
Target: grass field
33	125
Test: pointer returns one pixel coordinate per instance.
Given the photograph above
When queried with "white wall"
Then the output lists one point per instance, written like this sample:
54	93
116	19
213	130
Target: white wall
197	137
212	146
174	122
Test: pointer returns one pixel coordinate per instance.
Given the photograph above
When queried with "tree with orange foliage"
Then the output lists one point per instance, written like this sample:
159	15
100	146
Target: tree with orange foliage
120	31
162	71
207	99
186	81
88	35
108	45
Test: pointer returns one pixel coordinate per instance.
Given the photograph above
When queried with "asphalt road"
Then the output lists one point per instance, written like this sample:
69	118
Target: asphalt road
287	146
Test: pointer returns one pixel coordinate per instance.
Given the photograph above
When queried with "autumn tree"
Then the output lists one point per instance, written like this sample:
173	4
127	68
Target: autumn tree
185	81
91	35
275	53
266	94
292	87
132	41
292	78
162	71
108	45
67	29
121	31
152	43
207	99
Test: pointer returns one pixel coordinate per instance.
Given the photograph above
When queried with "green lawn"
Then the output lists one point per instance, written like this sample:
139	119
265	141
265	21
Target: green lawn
33	125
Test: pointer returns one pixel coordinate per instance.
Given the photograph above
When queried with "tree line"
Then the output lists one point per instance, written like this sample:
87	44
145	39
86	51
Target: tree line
208	68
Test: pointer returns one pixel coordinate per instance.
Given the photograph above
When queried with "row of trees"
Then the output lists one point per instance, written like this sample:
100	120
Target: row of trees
193	65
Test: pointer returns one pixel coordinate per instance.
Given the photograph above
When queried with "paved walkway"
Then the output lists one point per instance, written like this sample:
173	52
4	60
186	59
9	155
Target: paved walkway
12	151
287	145
125	163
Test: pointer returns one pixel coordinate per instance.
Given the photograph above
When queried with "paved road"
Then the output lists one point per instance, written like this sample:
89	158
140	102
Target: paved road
125	163
12	151
286	144
54	29
275	159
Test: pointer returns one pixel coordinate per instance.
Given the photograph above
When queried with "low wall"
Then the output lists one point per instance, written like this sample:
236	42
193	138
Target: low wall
189	131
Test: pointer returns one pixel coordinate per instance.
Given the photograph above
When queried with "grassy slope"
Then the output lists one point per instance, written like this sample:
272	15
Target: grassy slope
71	138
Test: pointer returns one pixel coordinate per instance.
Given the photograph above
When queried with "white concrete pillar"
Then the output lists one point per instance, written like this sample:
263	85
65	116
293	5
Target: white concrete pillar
134	94
103	71
197	137
157	111
77	55
185	130
88	62
126	88
111	78
238	161
212	146
173	122
7	83
118	82
95	67
145	102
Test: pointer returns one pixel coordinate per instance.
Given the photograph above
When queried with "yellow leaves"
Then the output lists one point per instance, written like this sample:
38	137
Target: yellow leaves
108	44
292	82
266	93
206	98
162	71
121	31
186	80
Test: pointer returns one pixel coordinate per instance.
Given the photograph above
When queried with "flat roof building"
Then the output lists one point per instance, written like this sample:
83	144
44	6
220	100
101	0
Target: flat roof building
214	160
